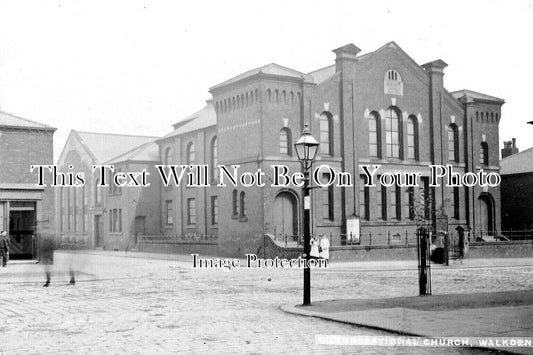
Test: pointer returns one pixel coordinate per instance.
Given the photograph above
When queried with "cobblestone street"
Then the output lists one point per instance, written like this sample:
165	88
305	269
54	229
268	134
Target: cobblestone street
136	305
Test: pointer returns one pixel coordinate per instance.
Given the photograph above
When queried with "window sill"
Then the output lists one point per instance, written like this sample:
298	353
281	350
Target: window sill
243	219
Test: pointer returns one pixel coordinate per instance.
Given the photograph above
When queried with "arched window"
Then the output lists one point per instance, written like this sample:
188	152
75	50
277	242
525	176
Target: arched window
235	203
453	143
214	159
247	102
326	133
292	97
190	153
393	133
285	141
168	156
269	95
242	201
412	138
374	135
276	93
284	93
484	153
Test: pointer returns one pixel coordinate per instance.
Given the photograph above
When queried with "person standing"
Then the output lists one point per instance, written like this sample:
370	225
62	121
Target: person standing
323	247
4	248
314	254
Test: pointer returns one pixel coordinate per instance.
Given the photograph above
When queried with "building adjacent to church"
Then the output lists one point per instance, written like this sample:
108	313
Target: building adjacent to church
516	191
26	211
378	108
93	216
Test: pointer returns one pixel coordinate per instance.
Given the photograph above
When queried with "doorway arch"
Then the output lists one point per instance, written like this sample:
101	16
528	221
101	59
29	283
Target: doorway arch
285	213
485	204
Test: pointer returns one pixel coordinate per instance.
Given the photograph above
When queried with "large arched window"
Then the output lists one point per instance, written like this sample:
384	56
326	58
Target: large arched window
214	158
190	153
374	135
453	143
326	133
285	141
484	153
393	133
168	156
412	138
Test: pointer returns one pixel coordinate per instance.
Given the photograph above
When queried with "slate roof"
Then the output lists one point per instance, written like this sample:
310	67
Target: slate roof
10	120
106	146
204	118
145	152
269	69
517	163
476	96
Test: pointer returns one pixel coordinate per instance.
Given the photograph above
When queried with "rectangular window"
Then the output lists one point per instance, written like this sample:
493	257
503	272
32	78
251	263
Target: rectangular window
191	211
115	220
214	210
382	200
427	200
364	199
410	202
169	220
395	202
119	220
327	198
454	203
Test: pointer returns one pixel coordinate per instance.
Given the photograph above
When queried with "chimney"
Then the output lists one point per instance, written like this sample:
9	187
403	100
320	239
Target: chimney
509	148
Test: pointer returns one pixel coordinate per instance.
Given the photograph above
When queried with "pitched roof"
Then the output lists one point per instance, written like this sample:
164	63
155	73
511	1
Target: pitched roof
476	96
204	118
517	163
105	146
321	75
10	120
269	69
145	152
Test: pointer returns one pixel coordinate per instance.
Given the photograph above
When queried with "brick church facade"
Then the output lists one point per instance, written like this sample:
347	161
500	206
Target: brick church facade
378	108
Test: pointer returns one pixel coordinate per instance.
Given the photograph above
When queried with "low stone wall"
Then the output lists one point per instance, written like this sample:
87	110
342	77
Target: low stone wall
517	249
203	249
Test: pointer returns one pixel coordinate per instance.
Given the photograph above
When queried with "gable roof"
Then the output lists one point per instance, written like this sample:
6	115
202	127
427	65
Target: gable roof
12	121
105	146
204	118
518	163
143	153
476	96
269	69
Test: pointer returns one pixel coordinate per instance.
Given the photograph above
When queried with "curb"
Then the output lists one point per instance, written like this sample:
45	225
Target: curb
297	310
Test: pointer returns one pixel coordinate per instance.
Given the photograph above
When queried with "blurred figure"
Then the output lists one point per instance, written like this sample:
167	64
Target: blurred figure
4	248
314	254
323	247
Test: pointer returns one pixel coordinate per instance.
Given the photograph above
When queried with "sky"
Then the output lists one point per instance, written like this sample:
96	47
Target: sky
138	66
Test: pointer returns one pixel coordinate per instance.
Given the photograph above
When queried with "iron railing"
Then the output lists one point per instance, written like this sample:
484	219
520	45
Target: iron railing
178	238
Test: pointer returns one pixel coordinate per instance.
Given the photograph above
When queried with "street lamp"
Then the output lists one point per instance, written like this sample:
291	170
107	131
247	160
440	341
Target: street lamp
306	149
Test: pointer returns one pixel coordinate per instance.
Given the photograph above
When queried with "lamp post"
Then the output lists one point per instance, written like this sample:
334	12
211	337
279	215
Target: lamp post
306	149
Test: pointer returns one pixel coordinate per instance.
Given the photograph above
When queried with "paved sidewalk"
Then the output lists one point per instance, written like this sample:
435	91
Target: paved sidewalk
485	315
